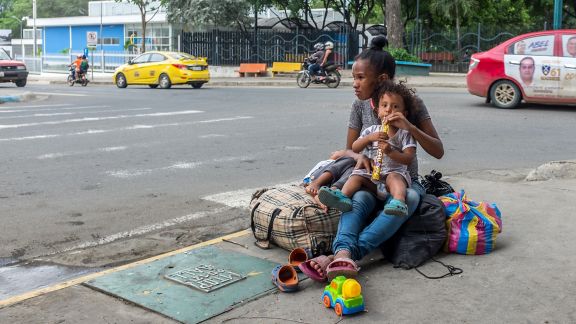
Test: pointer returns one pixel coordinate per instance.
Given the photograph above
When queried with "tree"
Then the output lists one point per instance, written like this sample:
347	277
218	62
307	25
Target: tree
147	8
201	13
394	23
453	9
356	12
45	9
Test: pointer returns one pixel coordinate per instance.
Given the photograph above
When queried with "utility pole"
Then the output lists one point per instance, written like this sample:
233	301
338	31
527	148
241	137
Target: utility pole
34	47
558	4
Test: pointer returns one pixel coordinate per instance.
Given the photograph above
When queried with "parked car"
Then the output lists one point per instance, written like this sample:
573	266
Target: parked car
163	69
538	67
12	70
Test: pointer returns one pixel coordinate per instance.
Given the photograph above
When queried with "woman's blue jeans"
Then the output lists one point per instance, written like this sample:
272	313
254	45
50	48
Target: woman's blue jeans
360	233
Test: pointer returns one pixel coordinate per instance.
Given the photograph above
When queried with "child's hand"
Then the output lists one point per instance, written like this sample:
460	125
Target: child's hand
398	120
385	147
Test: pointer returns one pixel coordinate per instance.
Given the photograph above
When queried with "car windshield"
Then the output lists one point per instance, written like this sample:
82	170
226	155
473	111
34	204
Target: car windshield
182	56
4	55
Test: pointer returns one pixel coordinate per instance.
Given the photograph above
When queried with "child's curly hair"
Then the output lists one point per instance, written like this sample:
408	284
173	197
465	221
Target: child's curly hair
399	88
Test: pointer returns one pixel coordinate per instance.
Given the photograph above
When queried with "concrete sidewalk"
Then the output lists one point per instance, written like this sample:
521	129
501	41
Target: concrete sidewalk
528	278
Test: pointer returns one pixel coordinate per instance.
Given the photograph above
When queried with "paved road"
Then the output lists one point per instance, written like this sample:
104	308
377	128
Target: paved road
88	166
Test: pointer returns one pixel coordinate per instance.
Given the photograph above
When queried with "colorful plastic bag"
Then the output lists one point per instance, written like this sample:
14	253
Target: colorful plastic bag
472	226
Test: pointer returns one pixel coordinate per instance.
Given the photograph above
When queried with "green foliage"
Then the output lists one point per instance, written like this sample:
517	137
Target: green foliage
194	14
65	51
401	54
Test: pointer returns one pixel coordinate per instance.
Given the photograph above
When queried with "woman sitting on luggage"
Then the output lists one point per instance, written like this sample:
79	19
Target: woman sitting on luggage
359	232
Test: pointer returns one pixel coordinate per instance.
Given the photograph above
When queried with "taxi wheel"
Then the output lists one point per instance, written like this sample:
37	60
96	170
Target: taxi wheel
505	94
153	86
164	81
196	85
121	81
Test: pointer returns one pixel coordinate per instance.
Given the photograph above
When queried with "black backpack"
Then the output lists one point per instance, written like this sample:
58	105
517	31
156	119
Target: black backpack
420	237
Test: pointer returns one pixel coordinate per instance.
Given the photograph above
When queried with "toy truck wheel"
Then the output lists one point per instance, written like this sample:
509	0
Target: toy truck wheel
326	301
338	308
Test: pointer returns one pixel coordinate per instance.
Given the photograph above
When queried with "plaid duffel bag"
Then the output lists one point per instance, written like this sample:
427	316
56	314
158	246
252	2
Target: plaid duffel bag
288	217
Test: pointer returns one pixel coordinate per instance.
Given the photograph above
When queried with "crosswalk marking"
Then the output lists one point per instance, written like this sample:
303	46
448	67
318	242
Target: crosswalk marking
133	127
87	119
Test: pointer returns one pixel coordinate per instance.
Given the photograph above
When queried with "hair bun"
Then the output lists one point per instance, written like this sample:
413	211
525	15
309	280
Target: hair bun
379	42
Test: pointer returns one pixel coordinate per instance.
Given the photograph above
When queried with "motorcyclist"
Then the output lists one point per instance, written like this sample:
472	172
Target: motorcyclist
315	59
328	58
84	65
76	66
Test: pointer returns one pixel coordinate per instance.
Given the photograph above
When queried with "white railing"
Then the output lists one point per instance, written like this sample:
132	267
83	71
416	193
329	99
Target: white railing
100	61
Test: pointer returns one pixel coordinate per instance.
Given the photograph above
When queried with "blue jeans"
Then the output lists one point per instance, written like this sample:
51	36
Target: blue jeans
313	69
360	233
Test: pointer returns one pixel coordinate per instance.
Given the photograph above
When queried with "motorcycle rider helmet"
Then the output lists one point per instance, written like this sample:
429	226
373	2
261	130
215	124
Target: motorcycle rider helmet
329	45
318	46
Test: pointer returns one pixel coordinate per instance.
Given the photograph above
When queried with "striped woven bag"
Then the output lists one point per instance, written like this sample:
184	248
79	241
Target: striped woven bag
472	226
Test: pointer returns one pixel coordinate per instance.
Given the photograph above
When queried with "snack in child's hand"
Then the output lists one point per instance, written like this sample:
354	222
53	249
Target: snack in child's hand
378	163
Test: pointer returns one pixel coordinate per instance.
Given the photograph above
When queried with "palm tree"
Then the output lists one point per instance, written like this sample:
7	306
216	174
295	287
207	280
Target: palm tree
454	9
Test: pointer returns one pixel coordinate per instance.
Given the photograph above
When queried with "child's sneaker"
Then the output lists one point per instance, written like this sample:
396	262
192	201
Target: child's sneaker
334	198
396	207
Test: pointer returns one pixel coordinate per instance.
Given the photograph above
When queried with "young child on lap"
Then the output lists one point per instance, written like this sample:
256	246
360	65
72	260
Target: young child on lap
398	148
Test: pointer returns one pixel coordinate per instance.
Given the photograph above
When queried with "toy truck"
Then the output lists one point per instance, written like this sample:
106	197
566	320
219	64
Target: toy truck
344	295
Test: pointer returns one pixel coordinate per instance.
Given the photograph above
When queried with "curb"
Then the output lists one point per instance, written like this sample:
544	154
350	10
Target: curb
290	83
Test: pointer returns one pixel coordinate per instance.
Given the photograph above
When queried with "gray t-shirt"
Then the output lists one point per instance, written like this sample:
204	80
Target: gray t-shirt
363	116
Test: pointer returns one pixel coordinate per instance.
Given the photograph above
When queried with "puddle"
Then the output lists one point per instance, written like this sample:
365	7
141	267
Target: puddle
22	278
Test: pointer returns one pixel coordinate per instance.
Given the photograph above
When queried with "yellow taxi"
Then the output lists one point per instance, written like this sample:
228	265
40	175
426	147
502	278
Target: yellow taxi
163	69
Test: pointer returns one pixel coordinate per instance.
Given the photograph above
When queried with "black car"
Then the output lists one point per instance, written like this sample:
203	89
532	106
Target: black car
12	70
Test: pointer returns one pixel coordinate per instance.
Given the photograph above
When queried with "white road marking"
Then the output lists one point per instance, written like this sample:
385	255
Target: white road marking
63	94
134	127
212	135
58	109
138	172
37	106
85	119
239	198
145	229
74	113
63	154
179	165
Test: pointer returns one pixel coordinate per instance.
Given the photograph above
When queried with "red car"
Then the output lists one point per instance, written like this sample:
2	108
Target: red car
537	67
12	70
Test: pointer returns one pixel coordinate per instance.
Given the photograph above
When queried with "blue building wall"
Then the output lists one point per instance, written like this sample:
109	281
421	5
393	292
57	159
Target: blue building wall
58	38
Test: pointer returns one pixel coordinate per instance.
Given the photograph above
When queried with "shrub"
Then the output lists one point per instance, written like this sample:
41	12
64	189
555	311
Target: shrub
401	54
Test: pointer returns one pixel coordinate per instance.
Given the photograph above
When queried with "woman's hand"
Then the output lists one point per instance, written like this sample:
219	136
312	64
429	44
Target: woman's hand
363	163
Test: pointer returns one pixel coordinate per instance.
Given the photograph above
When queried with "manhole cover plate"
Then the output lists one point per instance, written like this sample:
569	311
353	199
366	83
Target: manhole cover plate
205	277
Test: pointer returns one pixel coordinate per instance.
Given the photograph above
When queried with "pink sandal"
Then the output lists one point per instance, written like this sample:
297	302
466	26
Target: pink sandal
311	272
342	267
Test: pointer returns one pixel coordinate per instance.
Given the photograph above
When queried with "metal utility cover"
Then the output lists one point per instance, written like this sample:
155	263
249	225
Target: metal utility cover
205	277
147	285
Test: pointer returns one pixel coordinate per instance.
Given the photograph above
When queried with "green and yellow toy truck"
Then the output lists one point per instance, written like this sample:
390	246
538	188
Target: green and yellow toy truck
344	295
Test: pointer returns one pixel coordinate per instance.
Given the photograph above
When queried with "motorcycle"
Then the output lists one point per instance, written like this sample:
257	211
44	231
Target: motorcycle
81	78
331	76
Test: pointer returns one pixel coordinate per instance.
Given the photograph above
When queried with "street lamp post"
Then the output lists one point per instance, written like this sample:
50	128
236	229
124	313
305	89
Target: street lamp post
35	49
